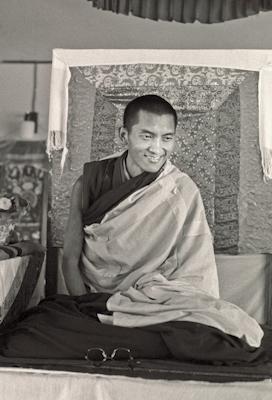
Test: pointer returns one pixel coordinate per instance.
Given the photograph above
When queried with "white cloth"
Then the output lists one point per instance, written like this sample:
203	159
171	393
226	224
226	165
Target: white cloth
12	272
34	384
265	120
252	60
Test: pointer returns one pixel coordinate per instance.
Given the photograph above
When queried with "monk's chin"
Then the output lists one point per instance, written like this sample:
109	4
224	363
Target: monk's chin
154	166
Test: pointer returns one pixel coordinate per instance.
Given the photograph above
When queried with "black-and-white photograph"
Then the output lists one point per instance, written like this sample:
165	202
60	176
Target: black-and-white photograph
135	199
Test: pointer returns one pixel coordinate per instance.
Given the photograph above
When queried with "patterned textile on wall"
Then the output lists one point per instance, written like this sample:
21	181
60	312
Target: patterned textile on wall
23	172
216	144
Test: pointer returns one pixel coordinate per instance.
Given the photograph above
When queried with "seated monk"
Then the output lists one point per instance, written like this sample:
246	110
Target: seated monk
138	261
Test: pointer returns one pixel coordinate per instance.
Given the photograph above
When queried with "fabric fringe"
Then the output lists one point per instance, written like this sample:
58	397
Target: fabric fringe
63	158
57	141
267	164
265	120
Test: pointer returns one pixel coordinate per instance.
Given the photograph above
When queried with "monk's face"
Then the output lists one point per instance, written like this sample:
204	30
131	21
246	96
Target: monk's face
150	142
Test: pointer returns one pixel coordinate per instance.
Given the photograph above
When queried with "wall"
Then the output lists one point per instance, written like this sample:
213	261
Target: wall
32	28
16	82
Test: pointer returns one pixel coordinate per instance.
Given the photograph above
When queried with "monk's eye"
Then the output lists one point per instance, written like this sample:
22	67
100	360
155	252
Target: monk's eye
168	138
146	136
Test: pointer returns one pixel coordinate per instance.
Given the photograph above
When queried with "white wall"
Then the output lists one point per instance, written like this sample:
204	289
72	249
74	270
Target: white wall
30	29
16	83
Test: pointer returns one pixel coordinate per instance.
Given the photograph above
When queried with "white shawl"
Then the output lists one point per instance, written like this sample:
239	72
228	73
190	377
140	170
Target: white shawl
154	253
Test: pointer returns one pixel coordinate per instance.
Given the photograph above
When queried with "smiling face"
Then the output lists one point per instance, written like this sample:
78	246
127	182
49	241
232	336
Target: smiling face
150	142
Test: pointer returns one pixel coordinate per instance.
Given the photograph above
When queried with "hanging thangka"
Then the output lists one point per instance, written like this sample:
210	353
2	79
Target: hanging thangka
23	169
216	142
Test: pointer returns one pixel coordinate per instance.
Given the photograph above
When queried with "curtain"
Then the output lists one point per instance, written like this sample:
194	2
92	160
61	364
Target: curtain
186	11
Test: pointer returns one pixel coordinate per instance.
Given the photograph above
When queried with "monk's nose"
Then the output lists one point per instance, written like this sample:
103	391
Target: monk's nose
156	146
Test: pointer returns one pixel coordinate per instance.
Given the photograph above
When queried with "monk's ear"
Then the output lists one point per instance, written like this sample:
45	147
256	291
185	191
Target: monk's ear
123	135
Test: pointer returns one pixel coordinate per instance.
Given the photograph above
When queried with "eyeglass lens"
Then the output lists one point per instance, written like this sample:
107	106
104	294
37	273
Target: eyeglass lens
99	354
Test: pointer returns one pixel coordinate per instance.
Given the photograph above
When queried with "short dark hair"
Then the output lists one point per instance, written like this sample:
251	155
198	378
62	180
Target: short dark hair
150	103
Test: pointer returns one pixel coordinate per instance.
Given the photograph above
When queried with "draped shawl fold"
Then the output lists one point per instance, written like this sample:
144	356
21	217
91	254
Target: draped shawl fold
151	248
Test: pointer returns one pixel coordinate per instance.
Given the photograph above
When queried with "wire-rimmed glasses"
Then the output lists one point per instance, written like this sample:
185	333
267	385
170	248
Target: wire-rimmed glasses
99	356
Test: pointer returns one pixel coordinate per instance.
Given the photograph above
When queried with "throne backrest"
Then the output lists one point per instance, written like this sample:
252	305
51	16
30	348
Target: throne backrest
216	143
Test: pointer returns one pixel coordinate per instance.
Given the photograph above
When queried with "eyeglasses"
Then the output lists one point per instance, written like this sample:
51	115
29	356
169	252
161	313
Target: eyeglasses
98	355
